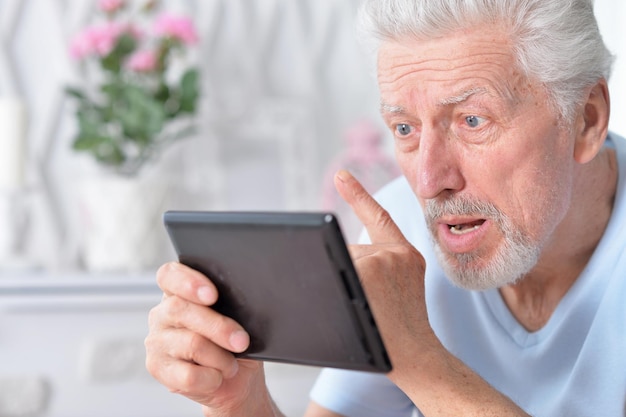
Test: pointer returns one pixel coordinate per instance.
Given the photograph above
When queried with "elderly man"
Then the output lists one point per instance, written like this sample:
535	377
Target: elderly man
497	268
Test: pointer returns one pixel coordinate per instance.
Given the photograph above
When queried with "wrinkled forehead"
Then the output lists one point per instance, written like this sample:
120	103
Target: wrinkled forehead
476	45
463	61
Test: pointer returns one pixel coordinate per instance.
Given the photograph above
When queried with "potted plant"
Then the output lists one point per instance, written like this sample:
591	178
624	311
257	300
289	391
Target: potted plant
138	97
128	113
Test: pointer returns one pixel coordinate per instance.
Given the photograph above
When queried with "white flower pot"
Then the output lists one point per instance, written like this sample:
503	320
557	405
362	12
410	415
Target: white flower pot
121	221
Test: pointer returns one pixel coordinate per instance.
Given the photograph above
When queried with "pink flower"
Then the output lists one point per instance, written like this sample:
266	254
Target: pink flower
177	27
111	6
98	40
81	45
142	61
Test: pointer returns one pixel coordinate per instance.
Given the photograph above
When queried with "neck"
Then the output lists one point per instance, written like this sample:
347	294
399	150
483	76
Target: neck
533	299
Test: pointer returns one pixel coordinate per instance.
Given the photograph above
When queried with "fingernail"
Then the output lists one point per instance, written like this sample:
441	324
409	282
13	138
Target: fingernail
343	175
206	295
170	266
239	341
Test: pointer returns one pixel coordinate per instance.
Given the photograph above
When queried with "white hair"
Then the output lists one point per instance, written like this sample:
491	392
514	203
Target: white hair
556	42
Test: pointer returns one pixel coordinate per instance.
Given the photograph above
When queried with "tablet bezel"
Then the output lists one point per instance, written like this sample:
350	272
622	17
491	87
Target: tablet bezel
312	276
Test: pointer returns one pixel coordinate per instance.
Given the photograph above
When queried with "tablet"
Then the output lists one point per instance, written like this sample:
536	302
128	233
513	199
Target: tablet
288	279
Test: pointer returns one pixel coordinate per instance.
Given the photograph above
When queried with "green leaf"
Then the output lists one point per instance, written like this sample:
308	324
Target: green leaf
114	92
86	142
124	46
103	148
88	121
162	93
142	117
75	92
112	89
109	153
190	90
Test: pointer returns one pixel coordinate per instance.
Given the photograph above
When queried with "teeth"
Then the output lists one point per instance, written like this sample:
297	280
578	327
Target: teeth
460	229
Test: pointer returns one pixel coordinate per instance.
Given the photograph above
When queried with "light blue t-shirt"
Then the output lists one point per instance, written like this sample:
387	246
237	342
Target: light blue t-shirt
574	366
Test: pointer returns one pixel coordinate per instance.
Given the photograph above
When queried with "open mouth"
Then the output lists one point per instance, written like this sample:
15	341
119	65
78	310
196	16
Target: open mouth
461	229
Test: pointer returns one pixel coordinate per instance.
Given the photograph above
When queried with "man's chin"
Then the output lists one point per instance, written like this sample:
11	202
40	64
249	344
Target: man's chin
476	282
475	274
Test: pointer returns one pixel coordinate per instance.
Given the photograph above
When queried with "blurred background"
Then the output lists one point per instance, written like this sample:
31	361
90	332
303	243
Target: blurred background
285	96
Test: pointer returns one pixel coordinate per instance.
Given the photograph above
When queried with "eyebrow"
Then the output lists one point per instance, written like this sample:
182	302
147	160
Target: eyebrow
463	96
388	108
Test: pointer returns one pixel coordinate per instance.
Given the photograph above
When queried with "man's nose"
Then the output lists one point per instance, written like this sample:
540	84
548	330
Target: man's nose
438	165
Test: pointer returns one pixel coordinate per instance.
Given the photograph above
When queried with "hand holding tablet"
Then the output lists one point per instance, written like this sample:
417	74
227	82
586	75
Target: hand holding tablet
288	279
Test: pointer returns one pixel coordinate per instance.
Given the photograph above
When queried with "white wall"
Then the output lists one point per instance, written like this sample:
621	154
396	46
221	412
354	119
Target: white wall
612	17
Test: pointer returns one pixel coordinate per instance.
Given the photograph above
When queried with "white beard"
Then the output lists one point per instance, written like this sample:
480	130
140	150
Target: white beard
513	259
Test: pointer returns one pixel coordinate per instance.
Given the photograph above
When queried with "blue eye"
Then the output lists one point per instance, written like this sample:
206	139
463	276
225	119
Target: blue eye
473	121
403	129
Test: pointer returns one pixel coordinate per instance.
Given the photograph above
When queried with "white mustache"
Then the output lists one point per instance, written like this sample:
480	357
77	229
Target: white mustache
461	206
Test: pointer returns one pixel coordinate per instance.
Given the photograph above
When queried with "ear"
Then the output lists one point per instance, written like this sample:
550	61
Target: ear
592	125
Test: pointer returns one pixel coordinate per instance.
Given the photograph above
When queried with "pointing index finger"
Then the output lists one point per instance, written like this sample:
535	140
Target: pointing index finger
377	221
